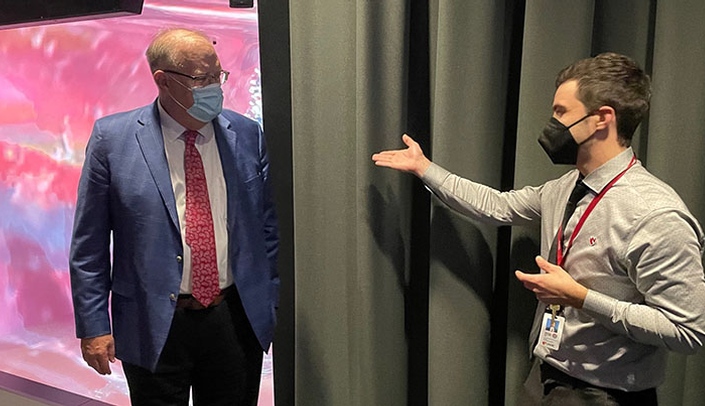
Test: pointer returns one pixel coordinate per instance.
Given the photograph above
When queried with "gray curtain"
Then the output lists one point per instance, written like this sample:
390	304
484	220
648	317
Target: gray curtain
348	93
349	70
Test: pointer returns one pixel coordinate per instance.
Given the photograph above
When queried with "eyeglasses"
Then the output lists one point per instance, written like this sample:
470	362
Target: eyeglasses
203	80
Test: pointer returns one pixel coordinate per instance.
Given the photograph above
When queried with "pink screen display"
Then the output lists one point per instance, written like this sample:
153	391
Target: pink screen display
55	81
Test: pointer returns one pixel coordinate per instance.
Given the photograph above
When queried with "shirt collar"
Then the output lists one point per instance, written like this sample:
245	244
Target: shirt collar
600	177
173	131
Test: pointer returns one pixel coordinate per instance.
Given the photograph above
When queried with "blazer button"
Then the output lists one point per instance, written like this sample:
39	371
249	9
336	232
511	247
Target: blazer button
179	259
172	297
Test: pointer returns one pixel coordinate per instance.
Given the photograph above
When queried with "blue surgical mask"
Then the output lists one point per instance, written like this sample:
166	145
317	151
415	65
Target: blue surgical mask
207	102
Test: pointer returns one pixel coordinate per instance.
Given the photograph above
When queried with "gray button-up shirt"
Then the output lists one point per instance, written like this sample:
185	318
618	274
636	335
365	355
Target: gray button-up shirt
639	253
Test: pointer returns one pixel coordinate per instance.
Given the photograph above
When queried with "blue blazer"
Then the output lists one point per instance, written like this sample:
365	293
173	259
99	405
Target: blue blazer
125	191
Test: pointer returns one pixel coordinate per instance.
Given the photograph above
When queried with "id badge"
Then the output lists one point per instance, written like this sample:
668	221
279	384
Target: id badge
551	331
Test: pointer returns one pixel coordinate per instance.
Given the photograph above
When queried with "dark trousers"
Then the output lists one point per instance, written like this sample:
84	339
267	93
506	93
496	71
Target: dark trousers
212	352
564	390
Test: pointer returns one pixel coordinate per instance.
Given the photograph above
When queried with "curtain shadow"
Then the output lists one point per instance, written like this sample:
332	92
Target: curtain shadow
317	383
385	224
522	302
462	249
455	243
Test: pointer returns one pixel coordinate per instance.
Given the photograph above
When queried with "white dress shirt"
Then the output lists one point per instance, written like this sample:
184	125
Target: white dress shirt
206	145
639	255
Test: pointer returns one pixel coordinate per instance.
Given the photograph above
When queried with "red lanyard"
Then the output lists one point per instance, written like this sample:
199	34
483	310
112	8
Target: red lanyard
560	256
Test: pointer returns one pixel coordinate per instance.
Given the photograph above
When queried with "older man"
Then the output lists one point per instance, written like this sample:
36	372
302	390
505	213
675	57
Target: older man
182	187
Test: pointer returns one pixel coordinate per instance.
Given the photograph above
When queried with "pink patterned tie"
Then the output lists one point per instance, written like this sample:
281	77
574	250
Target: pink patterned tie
199	226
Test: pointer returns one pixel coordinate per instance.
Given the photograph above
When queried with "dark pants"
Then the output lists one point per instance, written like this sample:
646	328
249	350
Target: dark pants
564	390
212	352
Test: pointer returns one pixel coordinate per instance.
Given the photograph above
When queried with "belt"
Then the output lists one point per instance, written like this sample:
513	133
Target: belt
188	302
551	377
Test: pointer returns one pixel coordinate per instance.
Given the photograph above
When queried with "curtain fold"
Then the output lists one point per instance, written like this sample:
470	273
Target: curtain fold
676	147
468	103
349	69
348	92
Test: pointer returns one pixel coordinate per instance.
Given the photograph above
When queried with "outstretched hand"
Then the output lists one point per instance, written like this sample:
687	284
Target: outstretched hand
410	159
554	285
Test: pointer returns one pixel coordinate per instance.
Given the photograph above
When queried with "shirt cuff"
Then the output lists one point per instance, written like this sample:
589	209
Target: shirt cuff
599	303
434	176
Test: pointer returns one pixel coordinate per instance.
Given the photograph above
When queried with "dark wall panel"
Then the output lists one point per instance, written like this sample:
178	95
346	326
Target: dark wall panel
19	13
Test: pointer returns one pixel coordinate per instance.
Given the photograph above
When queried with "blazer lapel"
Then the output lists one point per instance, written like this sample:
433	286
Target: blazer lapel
151	142
226	138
